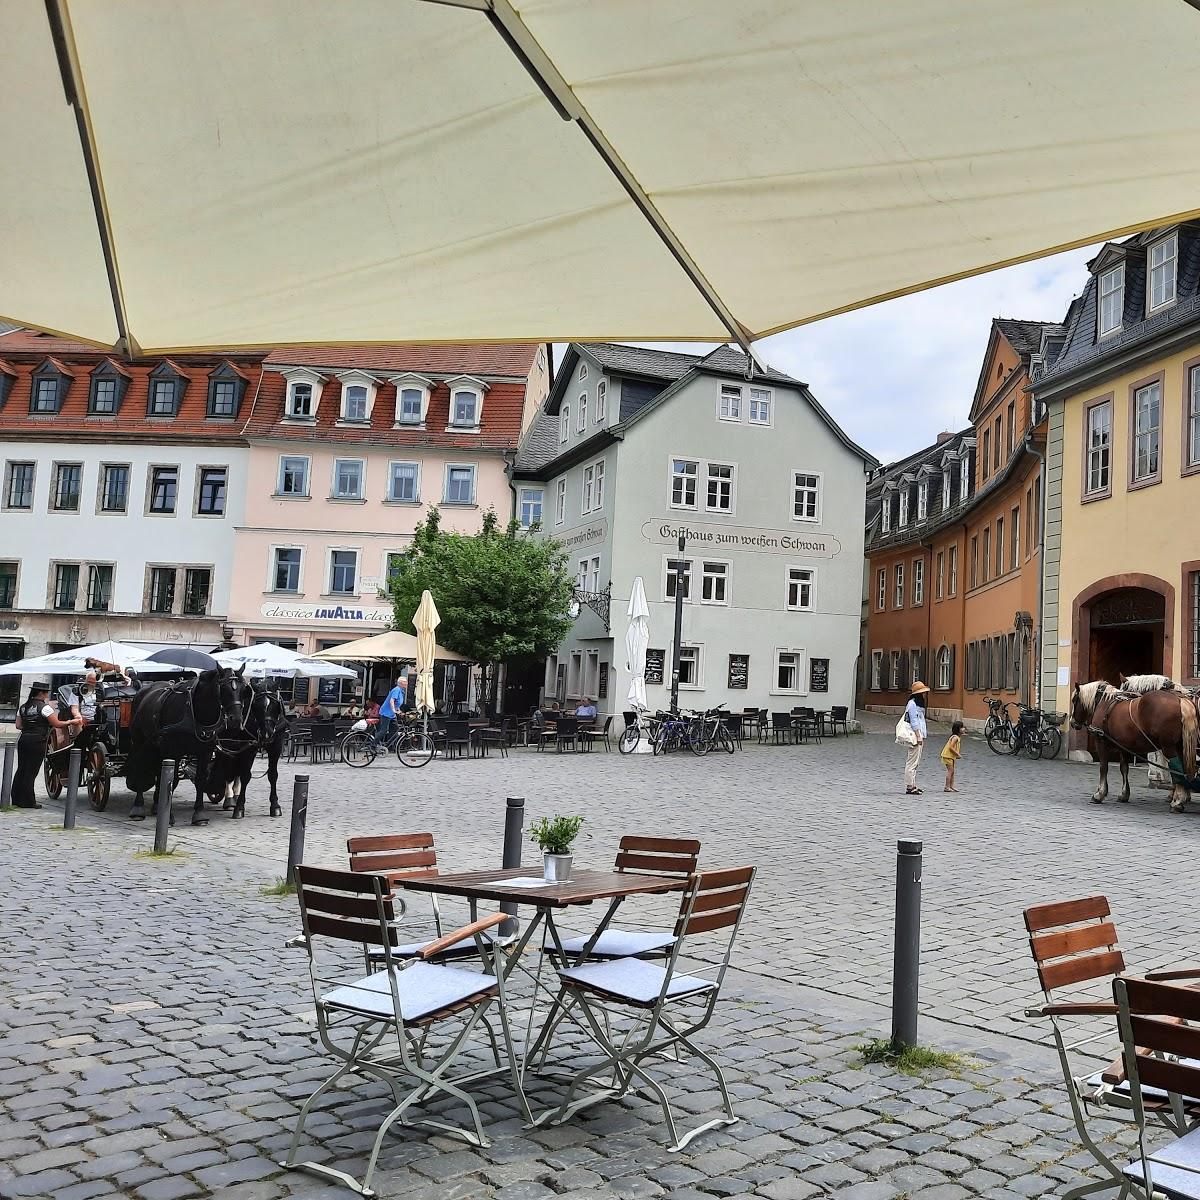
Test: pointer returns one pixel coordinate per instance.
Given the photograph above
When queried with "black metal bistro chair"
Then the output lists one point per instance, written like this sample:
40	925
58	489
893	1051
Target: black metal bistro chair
590	736
839	714
782	728
458	739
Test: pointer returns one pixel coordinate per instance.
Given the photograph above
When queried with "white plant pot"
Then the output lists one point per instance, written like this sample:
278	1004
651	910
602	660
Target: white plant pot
556	868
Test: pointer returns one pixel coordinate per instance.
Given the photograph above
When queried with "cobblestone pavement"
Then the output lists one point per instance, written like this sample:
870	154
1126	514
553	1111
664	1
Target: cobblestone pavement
155	1039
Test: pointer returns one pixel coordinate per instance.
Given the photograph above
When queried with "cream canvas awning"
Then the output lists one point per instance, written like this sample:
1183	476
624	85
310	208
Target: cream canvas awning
294	171
393	644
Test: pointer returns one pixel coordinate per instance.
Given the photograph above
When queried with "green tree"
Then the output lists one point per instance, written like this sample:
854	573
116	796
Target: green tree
501	594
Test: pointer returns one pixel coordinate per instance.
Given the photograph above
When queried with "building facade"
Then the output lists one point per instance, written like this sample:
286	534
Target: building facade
635	447
1122	575
954	547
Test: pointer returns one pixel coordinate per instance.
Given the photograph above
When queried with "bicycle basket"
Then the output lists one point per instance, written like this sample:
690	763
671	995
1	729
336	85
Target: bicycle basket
1031	717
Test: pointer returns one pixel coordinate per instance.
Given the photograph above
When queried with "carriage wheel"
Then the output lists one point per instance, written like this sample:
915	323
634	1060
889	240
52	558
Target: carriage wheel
97	778
54	781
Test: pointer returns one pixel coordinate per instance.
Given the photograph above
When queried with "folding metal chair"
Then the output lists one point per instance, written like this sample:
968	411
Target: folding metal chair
378	1025
662	1008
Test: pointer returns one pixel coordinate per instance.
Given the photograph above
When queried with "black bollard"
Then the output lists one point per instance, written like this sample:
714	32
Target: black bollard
906	963
514	823
162	805
74	766
299	821
6	774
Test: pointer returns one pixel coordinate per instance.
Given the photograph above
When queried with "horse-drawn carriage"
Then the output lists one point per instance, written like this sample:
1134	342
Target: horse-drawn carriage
104	742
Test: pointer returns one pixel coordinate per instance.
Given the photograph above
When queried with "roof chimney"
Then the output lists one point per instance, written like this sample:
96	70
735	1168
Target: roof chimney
943	437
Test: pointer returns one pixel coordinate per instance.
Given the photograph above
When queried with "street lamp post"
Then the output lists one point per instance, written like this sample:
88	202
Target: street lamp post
679	585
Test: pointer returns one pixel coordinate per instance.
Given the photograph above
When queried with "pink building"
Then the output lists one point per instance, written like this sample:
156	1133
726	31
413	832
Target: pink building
349	447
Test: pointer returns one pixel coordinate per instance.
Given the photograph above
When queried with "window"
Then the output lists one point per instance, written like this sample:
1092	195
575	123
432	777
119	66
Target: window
211	501
952	587
1193	624
800	589
590	581
343	572
987	554
593	487
876	670
354	402
1011	427
1037	511
581	420
197	582
162	589
720	488
99	587
975	560
683	482
103	399
560	502
66	586
945	669
881	589
410	406
403	483
679	575
789	671
1098	449
885	514
964	478
1015	526
581	576
1147	433
689	666
583	371
529	507
1191	424
939	578
806	496
45	394
945	488
999	546
987	451
8	585
903	506
731	403
918	582
67	480
347	479
894	671
1112	299
1014	663
19	492
162	397
898	586
460	485
300	400
564	423
922	499
293	476
714	581
760	406
285	575
164	488
601	401
996	445
1163	258
393	567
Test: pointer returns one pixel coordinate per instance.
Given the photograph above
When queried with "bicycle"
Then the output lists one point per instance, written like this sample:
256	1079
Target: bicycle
995	714
672	732
632	734
707	730
999	730
411	744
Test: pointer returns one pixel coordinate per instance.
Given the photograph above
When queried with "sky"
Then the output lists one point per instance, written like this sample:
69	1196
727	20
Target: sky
896	374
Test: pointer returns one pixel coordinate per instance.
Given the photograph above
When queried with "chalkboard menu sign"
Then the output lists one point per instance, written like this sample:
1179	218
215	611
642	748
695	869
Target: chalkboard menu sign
818	675
654	665
602	683
739	672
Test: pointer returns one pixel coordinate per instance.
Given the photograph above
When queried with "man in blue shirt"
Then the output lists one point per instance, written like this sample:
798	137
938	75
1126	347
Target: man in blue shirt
389	710
586	710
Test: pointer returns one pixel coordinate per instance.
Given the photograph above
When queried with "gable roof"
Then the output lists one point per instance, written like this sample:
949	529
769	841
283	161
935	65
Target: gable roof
1025	337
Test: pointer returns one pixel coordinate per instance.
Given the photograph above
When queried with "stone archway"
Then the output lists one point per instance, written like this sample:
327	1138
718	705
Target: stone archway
1123	625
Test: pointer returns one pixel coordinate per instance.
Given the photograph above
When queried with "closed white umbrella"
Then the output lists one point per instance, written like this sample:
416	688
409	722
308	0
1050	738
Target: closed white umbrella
425	623
269	660
637	638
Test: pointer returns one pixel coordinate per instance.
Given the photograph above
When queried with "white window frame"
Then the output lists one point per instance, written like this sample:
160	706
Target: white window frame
581	415
731	481
460	466
946	489
1153	436
939	583
469	384
952	570
334	494
881	590
273	566
695	652
587	489
1191	424
411	382
729	403
564	424
392	498
349	379
903	520
885	513
694	476
583	370
1097	451
898	585
922	500
593	574
819	506
668	559
1168	260
964	478
942	667
307	460
1103	293
560	502
798	584
894	662
726	575
601	400
523	495
801	668
329	553
918	582
301	375
756	397
876	681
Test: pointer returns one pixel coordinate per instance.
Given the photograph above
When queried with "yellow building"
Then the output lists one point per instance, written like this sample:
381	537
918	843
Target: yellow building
1122	523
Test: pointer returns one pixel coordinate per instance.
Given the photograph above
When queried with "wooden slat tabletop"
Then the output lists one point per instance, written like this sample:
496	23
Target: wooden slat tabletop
583	887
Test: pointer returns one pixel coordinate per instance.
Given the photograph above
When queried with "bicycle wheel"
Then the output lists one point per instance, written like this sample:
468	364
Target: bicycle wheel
629	739
1001	740
725	739
415	749
990	726
697	738
359	749
1051	743
662	735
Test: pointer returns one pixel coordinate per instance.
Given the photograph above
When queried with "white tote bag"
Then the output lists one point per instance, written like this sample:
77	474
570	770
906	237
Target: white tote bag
905	734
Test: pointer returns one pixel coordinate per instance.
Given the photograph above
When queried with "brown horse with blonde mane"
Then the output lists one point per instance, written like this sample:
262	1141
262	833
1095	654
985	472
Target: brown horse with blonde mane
1123	724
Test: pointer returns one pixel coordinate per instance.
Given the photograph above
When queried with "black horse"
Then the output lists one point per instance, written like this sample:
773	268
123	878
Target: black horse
177	721
232	767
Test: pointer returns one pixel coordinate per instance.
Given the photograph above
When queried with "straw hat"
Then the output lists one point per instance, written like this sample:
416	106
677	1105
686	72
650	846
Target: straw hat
917	688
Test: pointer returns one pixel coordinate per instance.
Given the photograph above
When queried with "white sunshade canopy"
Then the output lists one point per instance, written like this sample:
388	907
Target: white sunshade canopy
267	660
394	644
294	171
74	660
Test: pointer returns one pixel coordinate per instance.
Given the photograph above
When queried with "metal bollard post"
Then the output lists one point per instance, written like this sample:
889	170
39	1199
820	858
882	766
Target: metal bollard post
299	821
74	767
906	964
6	774
162	805
514	823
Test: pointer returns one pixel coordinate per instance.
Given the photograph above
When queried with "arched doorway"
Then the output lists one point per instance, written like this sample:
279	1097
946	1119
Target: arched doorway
1123	626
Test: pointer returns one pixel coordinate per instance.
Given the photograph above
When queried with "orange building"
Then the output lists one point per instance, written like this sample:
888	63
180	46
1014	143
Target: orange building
954	547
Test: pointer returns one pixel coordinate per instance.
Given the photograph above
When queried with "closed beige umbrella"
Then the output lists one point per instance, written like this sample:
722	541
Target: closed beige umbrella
425	623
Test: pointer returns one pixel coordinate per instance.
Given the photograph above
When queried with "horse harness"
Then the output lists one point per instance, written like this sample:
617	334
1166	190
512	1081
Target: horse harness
1110	700
202	733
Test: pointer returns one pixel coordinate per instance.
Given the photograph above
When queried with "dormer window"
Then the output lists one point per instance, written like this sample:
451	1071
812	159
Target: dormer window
303	394
300	403
964	478
945	488
922	499
412	398
1163	260
358	397
7	379
49	388
226	387
107	390
1112	299
886	513
354	403
466	401
903	507
166	390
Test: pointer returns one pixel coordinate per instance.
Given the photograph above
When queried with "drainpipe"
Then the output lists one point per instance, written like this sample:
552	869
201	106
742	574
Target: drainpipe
1041	617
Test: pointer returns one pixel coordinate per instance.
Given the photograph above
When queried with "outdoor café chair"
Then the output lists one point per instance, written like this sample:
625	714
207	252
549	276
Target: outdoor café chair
591	736
839	714
378	1025
457	735
299	738
1074	942
397	857
809	723
566	731
321	742
782	727
637	1010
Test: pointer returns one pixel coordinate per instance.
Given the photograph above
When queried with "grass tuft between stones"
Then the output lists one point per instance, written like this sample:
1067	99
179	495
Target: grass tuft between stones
280	887
172	854
912	1060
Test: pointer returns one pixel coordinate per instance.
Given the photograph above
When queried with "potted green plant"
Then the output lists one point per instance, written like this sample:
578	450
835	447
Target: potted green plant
556	835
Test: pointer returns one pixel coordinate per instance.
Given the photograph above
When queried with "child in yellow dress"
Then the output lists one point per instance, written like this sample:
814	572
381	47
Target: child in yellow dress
951	753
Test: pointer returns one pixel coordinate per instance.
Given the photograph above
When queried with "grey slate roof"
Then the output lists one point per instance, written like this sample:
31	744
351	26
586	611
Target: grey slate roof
539	445
636	360
1025	337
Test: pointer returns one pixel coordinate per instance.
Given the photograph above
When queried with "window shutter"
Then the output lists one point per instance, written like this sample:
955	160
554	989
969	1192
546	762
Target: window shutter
952	656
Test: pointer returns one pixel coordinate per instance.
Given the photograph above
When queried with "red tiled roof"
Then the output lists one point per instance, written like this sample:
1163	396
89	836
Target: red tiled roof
500	359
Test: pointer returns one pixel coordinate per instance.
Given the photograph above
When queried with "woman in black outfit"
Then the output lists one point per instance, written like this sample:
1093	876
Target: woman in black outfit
35	718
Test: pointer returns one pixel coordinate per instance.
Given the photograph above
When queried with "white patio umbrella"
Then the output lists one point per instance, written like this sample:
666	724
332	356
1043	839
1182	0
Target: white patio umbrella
637	638
267	659
74	660
709	170
425	622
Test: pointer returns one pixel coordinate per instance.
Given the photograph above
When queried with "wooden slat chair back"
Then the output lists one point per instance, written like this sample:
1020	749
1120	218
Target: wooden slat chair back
716	900
1073	942
346	907
657	856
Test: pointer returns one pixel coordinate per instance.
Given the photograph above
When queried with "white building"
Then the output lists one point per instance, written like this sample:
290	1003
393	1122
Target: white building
634	447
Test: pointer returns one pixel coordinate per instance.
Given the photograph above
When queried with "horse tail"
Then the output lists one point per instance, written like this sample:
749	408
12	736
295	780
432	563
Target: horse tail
1191	733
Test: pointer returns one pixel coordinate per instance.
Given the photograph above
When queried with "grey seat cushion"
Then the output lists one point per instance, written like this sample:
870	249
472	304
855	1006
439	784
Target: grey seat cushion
1166	1168
466	946
1096	1082
423	988
621	943
632	979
